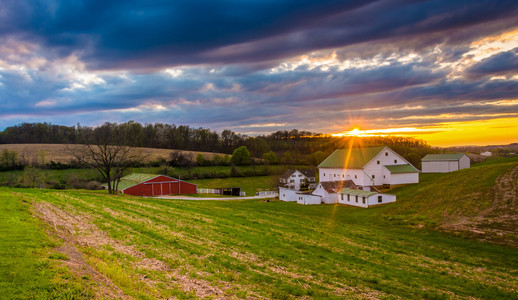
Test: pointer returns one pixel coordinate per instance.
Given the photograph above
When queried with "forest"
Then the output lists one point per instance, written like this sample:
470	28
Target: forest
283	147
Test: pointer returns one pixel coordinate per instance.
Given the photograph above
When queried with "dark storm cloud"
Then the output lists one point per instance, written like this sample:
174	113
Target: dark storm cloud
237	64
502	63
147	34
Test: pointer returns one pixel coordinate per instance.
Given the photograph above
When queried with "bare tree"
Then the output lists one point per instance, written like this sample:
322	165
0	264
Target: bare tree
107	153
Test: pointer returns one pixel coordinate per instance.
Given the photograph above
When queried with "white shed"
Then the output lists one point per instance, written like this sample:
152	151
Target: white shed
286	194
365	199
444	163
307	199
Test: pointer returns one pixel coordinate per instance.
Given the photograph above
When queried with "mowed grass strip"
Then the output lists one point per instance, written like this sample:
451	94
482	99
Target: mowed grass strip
29	267
281	250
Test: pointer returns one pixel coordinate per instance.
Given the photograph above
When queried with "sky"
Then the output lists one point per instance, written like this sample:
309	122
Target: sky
444	71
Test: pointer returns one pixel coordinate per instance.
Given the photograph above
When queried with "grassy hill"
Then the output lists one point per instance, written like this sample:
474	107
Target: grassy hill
132	247
480	202
44	153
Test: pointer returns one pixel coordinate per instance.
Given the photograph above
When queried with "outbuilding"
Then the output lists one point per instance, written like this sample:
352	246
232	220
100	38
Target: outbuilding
329	190
444	163
363	198
138	184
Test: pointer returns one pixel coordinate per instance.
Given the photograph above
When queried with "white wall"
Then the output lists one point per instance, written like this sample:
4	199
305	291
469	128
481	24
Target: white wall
364	201
386	157
446	166
464	162
307	199
287	194
435	166
385	198
332	174
403	178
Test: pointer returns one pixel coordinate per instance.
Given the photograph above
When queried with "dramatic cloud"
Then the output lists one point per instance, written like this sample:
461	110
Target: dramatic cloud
259	66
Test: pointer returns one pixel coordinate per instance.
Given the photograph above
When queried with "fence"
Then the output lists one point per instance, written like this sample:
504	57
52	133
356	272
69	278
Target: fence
209	191
267	193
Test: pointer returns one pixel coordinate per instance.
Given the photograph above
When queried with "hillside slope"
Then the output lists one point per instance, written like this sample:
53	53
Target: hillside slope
141	248
44	153
479	202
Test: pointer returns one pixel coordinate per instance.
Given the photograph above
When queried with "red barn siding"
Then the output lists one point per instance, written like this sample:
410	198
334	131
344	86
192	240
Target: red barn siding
161	185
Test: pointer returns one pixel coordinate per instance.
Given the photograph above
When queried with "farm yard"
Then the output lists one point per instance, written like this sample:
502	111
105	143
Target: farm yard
95	245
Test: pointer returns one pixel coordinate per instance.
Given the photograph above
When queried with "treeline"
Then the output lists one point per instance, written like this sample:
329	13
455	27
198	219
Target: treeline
286	146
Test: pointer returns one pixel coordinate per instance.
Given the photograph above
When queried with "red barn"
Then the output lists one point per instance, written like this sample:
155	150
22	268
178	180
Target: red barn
154	185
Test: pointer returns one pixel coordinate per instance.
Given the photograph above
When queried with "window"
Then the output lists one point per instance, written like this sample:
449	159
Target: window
293	176
383	176
355	176
386	153
373	176
395	161
300	175
343	175
348	198
342	197
284	195
356	199
380	199
363	200
378	162
334	175
324	174
292	181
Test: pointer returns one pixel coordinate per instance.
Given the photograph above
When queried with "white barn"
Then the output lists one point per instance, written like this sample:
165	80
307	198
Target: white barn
444	163
365	199
368	166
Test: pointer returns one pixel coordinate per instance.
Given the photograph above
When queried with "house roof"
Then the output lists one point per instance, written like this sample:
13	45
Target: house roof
398	169
355	158
357	192
134	179
448	156
336	186
307	173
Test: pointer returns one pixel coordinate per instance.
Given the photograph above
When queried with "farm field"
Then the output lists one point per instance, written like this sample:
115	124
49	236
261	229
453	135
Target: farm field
155	248
44	153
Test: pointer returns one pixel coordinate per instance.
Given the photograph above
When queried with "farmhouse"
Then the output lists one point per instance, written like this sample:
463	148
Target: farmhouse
368	166
296	179
363	198
444	163
154	185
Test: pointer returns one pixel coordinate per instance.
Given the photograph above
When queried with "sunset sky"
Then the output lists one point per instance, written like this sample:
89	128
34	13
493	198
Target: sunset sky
443	71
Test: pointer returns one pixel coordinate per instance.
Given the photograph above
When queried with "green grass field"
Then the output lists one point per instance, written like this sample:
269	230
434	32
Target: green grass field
87	244
155	248
30	267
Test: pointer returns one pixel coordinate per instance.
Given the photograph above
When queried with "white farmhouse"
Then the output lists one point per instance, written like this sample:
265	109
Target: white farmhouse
368	166
444	163
363	198
295	179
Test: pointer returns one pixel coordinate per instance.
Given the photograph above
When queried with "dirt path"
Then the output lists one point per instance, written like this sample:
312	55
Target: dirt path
76	230
65	227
